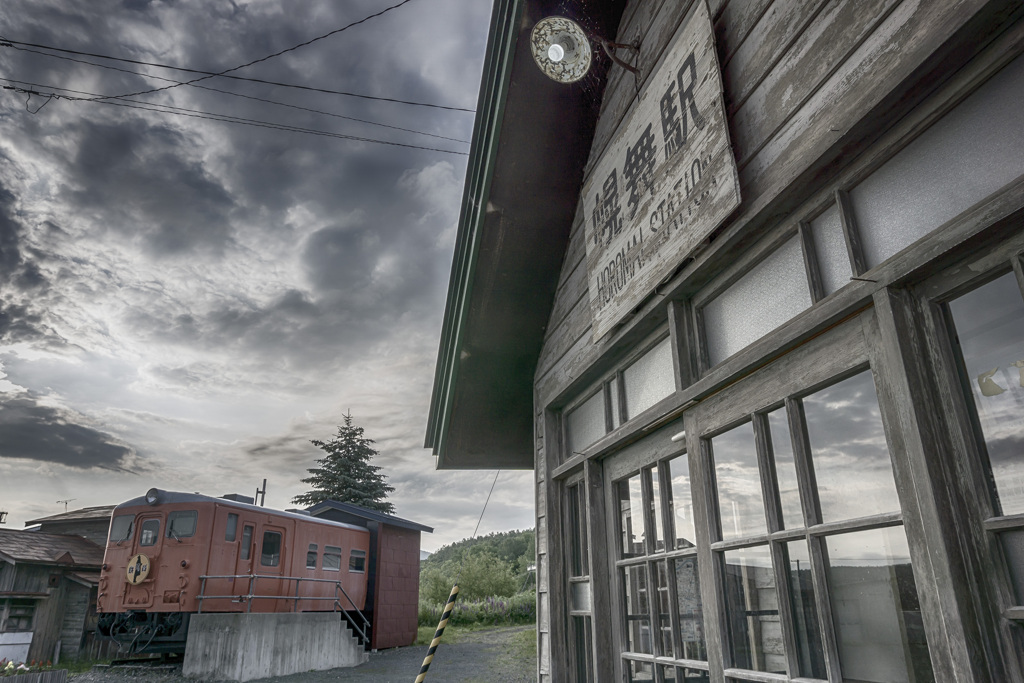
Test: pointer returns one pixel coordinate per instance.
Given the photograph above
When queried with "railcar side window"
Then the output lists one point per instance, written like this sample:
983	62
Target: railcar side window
357	561
270	556
182	524
311	556
332	558
246	541
150	532
121	528
232	529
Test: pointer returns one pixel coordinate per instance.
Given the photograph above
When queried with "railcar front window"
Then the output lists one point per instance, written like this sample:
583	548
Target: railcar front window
332	558
182	524
357	561
150	532
121	528
270	555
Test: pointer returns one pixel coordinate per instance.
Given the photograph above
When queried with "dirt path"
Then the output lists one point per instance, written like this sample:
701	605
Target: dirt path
499	654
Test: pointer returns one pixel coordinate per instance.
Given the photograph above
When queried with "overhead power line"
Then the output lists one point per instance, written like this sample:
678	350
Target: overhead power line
197	114
234	94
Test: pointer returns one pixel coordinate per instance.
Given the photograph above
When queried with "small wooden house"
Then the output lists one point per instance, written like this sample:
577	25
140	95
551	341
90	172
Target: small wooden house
393	589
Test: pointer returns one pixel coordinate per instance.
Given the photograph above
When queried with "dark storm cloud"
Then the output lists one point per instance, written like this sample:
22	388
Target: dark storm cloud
18	320
148	181
43	433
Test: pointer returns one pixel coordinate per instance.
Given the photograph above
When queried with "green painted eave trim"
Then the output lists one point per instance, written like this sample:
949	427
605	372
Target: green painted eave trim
497	75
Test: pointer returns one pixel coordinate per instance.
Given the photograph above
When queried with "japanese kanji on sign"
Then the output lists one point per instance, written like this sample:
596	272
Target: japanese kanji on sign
666	180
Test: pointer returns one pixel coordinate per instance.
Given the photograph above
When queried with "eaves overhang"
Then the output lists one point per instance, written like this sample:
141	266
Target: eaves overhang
530	144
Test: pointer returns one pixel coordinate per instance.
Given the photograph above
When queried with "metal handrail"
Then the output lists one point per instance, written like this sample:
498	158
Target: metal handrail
362	629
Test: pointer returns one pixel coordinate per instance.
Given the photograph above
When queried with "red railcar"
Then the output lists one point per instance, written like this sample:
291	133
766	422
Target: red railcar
171	554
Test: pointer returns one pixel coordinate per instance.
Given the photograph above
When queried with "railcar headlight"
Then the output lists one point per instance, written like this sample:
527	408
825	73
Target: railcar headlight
153	496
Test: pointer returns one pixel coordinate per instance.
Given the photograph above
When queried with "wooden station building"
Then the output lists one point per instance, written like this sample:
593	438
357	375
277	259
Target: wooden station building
753	314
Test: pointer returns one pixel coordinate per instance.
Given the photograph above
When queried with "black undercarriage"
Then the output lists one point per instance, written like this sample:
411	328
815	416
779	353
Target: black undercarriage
146	633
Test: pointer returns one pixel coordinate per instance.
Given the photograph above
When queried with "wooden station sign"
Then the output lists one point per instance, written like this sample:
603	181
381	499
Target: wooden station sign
666	180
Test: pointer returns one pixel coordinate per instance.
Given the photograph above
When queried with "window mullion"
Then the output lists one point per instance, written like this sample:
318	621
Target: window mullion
766	467
811	264
780	565
823	602
802	458
854	247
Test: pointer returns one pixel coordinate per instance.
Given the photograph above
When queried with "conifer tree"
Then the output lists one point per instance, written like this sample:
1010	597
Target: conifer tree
345	473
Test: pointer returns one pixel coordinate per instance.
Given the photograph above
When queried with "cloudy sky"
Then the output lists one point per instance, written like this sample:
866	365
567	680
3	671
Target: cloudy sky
186	301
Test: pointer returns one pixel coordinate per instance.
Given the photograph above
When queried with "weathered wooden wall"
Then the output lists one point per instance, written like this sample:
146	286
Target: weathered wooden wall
804	82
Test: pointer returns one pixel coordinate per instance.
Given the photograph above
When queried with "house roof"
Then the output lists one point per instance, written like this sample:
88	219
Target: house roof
56	549
83	514
366	513
530	143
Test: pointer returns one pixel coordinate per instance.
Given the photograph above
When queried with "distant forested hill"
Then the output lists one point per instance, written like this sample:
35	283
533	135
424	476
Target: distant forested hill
486	566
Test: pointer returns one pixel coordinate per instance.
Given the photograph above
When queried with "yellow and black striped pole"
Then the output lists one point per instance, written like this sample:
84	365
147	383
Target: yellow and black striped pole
445	616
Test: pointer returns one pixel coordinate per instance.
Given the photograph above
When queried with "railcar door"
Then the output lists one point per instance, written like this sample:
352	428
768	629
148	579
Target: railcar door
225	548
270	565
141	572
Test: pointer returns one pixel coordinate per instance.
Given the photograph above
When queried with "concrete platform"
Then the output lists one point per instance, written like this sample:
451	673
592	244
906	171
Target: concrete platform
245	647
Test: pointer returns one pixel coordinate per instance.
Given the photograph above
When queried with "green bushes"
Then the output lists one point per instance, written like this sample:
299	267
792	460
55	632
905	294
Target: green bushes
518	609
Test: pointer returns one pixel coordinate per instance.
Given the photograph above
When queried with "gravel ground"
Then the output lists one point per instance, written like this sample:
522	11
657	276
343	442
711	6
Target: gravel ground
500	654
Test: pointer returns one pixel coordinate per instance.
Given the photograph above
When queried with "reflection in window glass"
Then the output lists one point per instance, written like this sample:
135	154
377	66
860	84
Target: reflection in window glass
810	653
671	674
769	294
357	561
830	248
740	503
1013	549
246	541
848	450
585	424
752	611
659	524
311	556
631	516
663	608
691	614
577	540
579	596
639	671
231	529
650	379
990	326
182	523
682	505
270	554
121	528
785	470
150	532
875	608
332	559
638	621
583	637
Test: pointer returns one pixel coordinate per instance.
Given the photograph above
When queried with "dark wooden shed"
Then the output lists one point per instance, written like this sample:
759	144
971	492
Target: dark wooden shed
394	571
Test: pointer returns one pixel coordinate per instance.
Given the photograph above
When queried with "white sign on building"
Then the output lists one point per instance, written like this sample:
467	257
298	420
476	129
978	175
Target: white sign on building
666	180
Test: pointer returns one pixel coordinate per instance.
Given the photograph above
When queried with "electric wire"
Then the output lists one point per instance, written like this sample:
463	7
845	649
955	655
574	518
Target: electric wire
198	114
486	501
234	94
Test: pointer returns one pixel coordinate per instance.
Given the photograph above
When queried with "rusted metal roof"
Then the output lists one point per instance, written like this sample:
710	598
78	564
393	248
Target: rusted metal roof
57	549
99	512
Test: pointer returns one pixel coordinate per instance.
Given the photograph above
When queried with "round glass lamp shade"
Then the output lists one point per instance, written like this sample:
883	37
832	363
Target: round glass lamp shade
561	49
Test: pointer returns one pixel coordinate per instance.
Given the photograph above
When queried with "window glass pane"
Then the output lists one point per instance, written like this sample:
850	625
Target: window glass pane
785	469
752	611
650	379
691	614
830	248
579	596
270	555
585	424
639	671
613	396
332	559
150	532
357	561
1013	548
875	608
810	653
663	608
638	619
311	556
672	674
246	541
231	530
182	523
631	516
769	294
990	327
848	450
740	503
974	150
582	636
659	523
682	505
121	528
19	615
577	535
